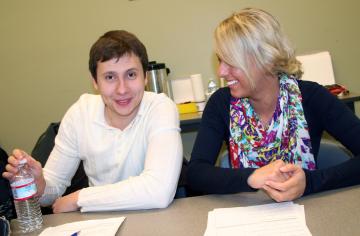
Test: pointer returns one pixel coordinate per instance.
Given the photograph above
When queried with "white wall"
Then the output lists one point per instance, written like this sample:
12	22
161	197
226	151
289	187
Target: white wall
44	47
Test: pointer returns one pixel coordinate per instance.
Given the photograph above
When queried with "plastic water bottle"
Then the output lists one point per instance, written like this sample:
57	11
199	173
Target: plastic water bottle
27	205
212	87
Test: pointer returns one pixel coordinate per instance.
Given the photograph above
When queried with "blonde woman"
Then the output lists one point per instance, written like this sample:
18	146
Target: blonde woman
271	121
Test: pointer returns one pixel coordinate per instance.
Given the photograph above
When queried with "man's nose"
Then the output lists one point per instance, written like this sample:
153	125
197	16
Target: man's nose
121	87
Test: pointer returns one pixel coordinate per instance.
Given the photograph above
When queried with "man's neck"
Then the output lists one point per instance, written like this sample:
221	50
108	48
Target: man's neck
117	121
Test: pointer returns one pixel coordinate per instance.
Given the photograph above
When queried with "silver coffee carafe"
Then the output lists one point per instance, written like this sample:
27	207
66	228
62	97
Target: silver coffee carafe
157	76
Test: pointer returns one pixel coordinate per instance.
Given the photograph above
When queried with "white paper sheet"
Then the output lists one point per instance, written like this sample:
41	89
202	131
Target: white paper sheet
103	227
318	67
270	219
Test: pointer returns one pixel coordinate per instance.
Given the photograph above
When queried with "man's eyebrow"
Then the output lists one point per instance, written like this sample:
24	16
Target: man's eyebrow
109	72
132	69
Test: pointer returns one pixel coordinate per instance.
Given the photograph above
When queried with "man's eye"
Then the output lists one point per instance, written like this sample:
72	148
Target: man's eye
132	75
109	77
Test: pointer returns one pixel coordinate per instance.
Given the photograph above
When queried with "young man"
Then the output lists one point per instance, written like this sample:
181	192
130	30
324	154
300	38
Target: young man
128	139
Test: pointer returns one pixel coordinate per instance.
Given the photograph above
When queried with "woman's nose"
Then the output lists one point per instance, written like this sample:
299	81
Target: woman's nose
223	69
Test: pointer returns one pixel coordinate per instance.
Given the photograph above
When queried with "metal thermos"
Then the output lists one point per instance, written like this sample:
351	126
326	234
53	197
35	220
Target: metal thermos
158	81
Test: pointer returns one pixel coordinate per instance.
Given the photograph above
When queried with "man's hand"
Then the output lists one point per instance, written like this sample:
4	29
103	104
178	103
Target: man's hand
13	167
289	190
266	173
67	203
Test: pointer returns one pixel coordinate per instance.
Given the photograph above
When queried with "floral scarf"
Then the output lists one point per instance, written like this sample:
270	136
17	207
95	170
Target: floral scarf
286	138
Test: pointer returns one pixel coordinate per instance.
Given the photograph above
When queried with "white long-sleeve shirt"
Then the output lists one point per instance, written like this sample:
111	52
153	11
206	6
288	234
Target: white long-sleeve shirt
134	168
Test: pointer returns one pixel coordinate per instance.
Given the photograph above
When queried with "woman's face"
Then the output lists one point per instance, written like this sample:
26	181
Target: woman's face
236	79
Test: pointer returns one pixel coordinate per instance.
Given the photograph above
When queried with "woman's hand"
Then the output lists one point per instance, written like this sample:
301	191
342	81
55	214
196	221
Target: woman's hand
270	172
13	167
290	189
67	203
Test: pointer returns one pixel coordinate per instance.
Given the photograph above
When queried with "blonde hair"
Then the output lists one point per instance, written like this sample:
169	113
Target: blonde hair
254	36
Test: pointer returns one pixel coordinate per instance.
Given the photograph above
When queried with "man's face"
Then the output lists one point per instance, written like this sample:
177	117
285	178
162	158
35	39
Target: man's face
121	84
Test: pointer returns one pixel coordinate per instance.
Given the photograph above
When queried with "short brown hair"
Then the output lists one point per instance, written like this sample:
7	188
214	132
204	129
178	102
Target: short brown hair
115	44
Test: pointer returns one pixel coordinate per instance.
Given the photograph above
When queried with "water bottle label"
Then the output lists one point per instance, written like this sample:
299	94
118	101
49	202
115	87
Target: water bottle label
23	190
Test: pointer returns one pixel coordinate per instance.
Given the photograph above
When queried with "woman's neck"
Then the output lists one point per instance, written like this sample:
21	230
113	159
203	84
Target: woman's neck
264	99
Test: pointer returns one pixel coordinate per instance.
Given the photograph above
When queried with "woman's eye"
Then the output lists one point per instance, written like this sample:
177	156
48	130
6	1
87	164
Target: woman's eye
132	75
218	58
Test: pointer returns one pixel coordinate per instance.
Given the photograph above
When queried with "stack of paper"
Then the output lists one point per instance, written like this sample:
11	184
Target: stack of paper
271	219
103	227
182	90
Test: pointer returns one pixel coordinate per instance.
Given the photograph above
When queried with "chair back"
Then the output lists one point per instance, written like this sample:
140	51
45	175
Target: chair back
331	154
317	67
42	150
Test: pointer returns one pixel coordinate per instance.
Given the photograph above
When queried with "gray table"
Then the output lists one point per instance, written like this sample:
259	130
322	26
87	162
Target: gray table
328	213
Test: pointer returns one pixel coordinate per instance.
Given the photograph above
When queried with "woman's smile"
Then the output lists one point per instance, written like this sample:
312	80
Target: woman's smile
232	82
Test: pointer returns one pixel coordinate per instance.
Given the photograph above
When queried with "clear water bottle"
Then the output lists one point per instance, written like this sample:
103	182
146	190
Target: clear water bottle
27	205
212	87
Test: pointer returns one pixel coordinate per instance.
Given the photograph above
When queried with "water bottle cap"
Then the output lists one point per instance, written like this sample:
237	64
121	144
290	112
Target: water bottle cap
23	161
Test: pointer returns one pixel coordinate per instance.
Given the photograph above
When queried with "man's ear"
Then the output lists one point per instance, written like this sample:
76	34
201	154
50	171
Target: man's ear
146	79
94	83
